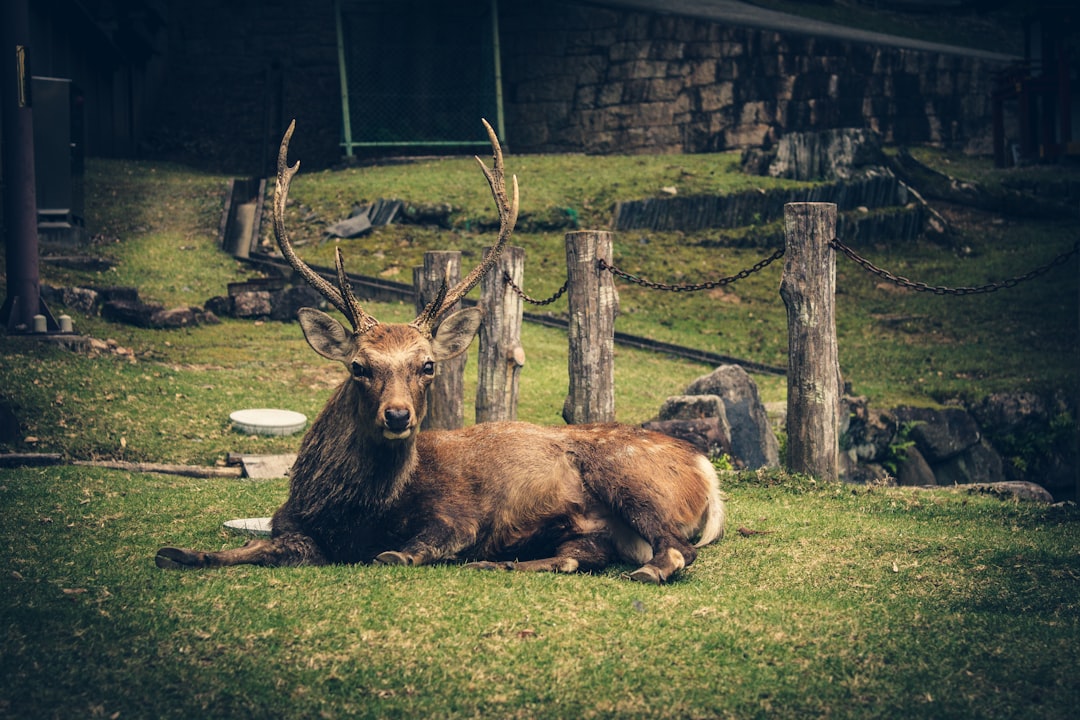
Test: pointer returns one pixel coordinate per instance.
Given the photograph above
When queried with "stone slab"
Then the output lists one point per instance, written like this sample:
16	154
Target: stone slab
265	467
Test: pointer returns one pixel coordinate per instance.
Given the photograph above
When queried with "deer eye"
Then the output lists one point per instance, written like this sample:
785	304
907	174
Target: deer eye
428	368
360	372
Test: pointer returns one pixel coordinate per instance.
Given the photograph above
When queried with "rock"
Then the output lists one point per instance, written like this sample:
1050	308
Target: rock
979	463
253	303
1002	412
913	470
866	431
692	407
221	305
350	227
285	303
175	317
706	434
130	312
752	438
83	300
1013	491
939	434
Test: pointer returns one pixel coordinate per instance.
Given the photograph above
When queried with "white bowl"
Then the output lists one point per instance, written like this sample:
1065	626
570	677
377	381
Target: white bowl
266	421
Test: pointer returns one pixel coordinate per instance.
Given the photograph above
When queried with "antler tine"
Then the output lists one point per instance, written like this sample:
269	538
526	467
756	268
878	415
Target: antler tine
361	321
508	213
426	320
346	304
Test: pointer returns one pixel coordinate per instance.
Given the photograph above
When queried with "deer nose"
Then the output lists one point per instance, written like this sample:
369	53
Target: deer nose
397	419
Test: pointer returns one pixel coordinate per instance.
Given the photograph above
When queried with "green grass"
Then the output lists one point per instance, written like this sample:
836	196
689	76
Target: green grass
851	602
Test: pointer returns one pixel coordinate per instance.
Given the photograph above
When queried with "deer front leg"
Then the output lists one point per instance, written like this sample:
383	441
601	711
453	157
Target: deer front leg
437	541
581	554
289	549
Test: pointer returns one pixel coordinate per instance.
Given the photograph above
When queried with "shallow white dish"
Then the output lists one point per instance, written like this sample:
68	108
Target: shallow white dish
251	526
267	421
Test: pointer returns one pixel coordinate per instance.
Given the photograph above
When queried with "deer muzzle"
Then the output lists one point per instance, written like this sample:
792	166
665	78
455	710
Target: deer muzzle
397	423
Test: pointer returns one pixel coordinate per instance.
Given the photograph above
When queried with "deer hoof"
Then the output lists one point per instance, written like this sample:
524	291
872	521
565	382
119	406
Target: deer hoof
393	557
488	565
647	574
170	558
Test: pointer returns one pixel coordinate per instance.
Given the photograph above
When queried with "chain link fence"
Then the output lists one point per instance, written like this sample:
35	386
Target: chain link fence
417	73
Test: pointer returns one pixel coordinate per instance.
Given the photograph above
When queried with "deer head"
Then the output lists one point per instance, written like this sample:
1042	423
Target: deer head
392	365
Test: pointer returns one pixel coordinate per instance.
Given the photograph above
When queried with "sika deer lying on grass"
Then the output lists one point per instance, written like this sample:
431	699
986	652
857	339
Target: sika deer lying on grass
367	486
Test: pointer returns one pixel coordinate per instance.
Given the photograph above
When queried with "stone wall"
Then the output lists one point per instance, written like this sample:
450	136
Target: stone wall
237	73
576	78
580	78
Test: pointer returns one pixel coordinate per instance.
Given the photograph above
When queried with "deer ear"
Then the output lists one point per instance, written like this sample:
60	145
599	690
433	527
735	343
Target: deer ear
456	332
326	335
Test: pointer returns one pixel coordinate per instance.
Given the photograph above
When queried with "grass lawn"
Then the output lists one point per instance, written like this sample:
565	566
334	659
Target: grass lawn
834	600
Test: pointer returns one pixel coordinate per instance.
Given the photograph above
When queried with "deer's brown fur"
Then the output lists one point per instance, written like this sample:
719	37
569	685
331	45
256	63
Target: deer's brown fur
367	486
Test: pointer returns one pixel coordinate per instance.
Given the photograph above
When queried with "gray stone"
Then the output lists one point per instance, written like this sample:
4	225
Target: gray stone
706	434
692	407
978	463
939	434
913	470
1012	491
285	303
83	300
350	227
254	303
752	438
1002	412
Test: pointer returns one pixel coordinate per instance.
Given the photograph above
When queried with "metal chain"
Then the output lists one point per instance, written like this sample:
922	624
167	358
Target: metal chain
941	290
531	300
742	275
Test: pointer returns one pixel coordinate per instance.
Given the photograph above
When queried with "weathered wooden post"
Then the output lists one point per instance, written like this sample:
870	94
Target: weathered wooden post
593	305
501	355
813	380
447	394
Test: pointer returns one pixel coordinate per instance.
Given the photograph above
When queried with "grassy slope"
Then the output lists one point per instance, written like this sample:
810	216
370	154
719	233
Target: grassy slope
159	222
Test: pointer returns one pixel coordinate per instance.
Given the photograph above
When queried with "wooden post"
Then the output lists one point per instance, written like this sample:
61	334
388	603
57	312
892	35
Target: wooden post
501	355
593	305
813	380
447	394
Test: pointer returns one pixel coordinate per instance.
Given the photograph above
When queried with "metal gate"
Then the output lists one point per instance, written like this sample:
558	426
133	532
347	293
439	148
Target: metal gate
418	73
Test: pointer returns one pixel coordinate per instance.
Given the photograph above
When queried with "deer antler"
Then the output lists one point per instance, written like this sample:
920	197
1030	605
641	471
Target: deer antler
343	300
508	212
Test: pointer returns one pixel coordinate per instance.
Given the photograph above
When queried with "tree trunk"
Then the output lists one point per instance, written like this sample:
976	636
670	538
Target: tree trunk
447	393
809	292
501	354
593	305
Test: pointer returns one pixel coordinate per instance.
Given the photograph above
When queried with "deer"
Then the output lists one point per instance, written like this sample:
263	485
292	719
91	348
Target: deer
367	487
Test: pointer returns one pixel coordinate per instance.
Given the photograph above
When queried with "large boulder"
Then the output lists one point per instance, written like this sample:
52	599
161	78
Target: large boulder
1035	435
701	420
939	434
706	434
952	445
752	439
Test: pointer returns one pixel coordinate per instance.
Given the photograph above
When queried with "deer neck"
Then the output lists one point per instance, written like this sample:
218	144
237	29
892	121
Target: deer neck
345	459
